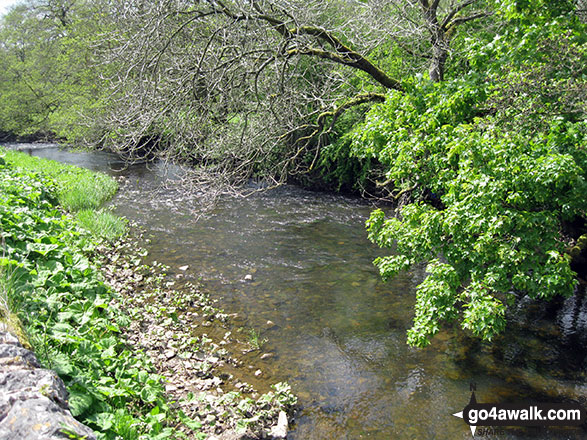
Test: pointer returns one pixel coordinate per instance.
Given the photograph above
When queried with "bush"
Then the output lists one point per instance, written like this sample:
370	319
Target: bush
486	205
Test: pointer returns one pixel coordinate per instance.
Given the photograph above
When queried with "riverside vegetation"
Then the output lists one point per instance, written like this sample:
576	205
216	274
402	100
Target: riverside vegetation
56	299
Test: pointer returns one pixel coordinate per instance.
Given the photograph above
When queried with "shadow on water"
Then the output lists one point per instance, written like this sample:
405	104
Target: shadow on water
335	332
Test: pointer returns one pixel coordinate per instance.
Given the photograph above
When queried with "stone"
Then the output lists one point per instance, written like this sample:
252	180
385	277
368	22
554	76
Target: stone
12	355
280	430
184	268
248	277
41	418
25	384
33	401
258	373
169	354
266	356
9	338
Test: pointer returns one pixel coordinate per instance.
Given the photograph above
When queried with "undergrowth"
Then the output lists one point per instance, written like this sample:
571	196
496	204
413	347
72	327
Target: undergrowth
53	295
69	315
77	190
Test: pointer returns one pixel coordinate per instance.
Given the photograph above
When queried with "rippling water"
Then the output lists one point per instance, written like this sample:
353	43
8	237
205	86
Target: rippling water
337	333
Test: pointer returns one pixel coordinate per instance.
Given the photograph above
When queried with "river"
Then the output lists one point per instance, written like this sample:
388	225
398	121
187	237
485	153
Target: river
334	330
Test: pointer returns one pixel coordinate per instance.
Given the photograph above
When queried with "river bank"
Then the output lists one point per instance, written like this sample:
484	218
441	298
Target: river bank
121	382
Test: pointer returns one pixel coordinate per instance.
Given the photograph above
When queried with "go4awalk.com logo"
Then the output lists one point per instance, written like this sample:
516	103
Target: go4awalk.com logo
521	414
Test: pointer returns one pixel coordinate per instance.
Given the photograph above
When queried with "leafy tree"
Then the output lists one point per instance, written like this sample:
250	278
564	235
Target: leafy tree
470	115
489	169
46	66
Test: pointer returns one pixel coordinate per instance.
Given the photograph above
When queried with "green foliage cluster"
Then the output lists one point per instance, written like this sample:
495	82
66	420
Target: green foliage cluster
46	74
249	413
488	166
77	190
487	175
68	313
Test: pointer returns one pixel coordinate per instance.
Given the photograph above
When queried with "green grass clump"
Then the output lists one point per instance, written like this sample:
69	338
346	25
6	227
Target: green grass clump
102	223
85	191
8	318
76	189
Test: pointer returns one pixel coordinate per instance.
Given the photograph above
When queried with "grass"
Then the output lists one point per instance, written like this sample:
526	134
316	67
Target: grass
11	321
101	223
255	340
79	190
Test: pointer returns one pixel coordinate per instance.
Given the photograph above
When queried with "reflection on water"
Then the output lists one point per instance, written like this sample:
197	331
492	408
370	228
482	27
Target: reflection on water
337	333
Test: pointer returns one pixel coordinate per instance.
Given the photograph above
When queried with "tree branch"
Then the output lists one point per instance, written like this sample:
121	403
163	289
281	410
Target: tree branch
459	21
343	54
455	11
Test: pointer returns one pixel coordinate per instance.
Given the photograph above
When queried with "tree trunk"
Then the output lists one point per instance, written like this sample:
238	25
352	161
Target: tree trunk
440	47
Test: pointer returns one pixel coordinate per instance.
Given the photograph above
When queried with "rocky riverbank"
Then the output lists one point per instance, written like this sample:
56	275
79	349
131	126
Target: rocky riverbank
111	328
198	384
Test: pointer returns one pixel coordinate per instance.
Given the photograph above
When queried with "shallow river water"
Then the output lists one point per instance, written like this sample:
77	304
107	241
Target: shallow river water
337	332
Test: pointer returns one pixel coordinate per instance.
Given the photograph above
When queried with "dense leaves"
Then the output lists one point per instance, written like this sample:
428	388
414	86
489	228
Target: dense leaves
478	134
484	193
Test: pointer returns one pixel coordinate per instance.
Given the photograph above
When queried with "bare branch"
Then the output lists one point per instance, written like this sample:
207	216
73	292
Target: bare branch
462	20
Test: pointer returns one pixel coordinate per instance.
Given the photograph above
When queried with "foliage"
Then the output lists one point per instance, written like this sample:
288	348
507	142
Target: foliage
68	313
487	165
485	193
255	340
102	223
46	75
76	188
249	413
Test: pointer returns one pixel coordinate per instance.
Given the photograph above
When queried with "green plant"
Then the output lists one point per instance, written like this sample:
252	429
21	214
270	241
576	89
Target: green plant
102	223
484	205
76	188
70	315
255	340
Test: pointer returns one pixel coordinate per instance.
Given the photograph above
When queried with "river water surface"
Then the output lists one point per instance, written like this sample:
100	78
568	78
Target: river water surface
337	333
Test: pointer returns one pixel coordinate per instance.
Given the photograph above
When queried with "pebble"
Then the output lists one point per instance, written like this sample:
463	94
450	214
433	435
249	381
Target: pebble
258	373
248	277
184	268
280	430
169	354
266	355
